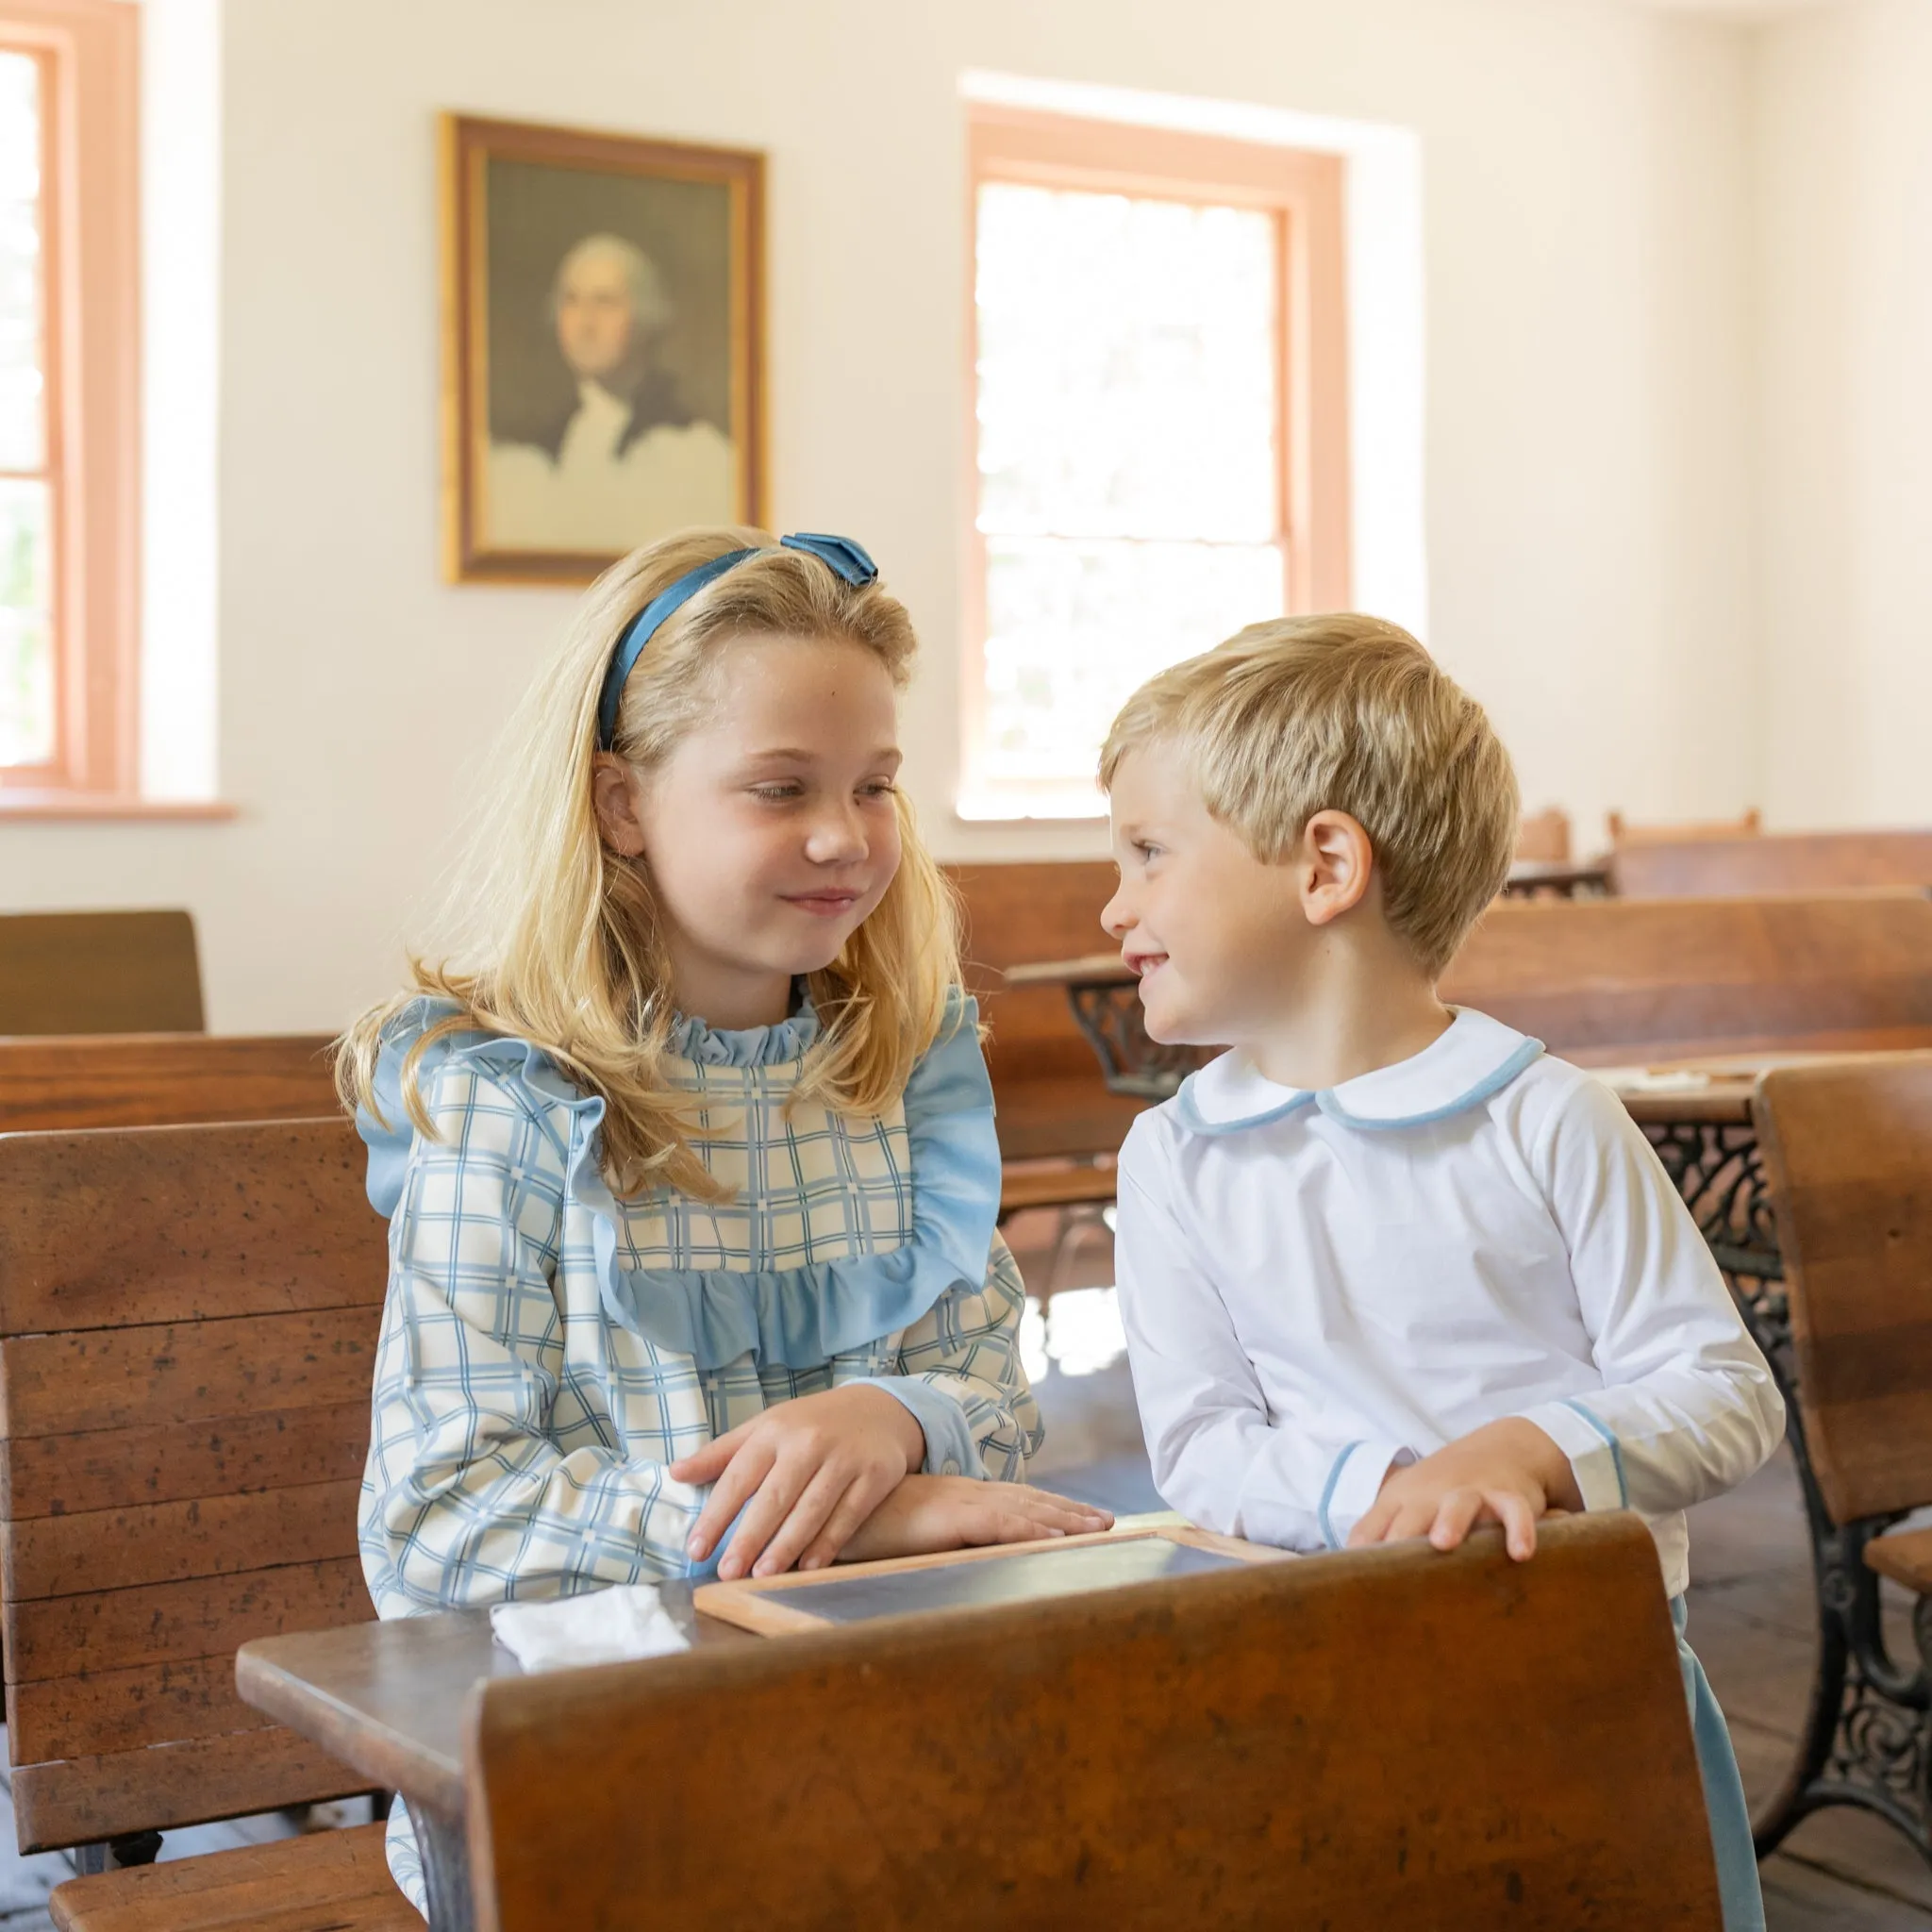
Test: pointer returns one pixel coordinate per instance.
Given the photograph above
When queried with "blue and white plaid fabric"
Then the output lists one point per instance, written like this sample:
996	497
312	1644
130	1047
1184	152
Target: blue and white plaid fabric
520	1432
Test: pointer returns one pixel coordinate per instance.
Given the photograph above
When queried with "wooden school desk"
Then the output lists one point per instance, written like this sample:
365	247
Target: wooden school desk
388	1699
1188	1700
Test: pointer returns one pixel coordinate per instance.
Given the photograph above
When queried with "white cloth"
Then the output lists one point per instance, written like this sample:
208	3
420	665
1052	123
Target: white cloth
602	1626
1315	1287
591	499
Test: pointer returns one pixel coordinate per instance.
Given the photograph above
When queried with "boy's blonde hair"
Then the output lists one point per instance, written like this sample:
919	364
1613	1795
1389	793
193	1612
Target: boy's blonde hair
548	935
1343	713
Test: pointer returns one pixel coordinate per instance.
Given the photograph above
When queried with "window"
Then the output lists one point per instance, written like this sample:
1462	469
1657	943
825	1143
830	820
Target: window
68	357
1159	426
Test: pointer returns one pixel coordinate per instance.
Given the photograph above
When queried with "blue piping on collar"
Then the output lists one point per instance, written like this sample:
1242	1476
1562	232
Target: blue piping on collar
1192	1119
1491	1083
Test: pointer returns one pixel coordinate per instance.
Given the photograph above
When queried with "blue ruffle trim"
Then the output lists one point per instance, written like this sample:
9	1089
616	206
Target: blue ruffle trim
754	1046
799	1317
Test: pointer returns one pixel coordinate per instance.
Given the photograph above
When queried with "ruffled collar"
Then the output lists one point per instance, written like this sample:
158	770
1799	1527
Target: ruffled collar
1474	1057
745	1046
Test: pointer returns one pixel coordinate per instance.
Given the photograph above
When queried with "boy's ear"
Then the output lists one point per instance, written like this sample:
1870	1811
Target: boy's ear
1337	864
617	795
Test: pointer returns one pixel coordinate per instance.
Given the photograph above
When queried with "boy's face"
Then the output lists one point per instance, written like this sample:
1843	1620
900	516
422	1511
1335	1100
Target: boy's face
1215	936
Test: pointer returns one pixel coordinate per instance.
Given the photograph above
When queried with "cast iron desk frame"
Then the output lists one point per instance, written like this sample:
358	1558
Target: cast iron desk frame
1867	1737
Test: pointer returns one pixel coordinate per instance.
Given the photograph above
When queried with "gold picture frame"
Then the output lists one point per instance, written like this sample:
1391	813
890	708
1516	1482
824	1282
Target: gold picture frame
603	345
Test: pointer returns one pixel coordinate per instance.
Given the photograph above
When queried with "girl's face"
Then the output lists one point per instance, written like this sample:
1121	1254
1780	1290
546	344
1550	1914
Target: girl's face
771	832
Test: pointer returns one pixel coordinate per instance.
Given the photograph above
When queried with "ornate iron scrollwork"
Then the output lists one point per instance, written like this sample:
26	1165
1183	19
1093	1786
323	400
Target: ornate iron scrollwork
1720	1172
1110	1015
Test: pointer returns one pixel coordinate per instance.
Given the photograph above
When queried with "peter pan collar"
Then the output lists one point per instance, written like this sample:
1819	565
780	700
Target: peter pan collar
1475	1057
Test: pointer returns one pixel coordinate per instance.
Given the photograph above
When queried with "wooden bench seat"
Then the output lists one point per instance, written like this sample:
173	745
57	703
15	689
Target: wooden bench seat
163	1080
1610	981
1383	1739
1847	1149
188	1324
1787	862
99	972
1906	1557
1051	1102
327	1881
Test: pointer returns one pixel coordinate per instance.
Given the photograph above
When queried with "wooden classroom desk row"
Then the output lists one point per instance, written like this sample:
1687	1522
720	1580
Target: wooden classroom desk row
187	1322
182	1080
1774	862
1731	865
1607	982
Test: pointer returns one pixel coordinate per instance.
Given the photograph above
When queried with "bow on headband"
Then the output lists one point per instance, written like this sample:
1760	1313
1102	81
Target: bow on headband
839	555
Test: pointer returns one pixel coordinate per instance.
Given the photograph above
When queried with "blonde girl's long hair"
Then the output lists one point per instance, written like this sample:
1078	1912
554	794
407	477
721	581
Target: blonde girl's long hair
548	935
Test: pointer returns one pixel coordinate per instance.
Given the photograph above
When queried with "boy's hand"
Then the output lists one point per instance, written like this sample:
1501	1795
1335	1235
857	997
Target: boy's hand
927	1513
1509	1473
806	1474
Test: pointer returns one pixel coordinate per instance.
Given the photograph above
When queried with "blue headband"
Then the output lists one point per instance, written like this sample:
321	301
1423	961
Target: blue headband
840	554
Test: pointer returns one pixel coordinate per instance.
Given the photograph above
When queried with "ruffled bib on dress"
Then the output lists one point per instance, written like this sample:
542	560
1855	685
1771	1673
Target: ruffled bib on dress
800	1316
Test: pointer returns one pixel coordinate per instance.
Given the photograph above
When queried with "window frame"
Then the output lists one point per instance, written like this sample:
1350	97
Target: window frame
1303	190
88	52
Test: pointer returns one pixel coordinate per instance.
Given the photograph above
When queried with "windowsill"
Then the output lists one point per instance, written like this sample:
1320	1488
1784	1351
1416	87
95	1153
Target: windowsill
1029	821
23	804
1047	807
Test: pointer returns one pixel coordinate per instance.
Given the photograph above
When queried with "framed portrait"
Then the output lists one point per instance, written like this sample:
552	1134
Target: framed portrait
604	339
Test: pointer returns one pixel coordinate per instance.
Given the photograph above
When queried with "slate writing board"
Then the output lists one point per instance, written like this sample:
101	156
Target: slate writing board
967	1579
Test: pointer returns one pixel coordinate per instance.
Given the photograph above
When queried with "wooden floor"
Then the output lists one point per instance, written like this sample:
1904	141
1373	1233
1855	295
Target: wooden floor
1750	1622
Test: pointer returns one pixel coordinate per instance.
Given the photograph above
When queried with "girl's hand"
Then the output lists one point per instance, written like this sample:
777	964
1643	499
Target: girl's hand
806	1474
926	1513
1509	1473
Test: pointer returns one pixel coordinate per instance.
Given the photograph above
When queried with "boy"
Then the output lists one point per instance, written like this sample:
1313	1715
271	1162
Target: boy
1387	1269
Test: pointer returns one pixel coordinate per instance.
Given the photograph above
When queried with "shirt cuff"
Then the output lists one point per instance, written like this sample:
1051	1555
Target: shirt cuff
950	1449
1596	1459
1353	1481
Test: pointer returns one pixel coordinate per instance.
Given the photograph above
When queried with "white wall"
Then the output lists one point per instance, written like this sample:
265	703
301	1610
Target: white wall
1843	142
1586	434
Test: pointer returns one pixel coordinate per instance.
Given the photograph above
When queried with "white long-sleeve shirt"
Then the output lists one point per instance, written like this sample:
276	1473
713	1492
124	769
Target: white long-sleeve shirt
1319	1286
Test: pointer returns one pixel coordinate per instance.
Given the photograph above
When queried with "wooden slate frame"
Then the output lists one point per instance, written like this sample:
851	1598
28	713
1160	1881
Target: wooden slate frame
188	1324
779	1606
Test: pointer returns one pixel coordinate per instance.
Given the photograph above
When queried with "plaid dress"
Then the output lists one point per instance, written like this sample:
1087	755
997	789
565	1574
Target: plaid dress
547	1349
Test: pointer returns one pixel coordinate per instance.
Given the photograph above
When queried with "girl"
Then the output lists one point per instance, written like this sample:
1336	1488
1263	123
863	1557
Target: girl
688	1142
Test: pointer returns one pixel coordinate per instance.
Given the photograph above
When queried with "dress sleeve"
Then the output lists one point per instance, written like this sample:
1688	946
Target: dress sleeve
1688	1407
961	1375
466	1498
1218	1456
